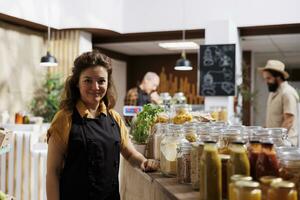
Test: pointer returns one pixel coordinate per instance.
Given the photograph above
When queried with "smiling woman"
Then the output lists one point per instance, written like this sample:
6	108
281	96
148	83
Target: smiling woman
87	136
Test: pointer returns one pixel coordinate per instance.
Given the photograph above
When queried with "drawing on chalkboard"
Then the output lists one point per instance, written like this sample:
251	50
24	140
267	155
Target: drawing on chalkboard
225	61
217	69
227	87
208	59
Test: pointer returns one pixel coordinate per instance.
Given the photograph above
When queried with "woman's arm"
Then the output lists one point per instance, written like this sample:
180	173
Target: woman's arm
135	158
54	164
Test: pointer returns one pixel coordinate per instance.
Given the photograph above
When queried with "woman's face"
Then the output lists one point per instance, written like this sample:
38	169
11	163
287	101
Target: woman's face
92	85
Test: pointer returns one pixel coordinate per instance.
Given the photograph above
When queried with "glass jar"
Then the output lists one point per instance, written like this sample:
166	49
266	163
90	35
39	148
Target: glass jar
279	136
190	131
165	98
249	131
247	190
215	133
254	149
19	118
196	153
203	133
215	113
184	163
265	183
283	190
210	173
179	98
159	133
233	180
168	150
290	167
219	124
267	163
224	160
238	162
228	136
223	114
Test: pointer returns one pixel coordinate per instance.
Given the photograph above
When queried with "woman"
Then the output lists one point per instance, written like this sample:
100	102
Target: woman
87	136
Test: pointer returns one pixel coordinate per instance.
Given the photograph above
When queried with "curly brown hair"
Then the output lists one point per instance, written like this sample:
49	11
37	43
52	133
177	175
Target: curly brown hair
71	92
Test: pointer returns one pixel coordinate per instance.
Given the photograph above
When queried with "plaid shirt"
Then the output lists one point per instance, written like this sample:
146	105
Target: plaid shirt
136	97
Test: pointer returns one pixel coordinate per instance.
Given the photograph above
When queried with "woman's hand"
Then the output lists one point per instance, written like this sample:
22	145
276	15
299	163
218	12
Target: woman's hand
149	165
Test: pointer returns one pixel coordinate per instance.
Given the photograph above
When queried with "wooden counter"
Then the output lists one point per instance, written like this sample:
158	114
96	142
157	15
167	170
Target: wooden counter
137	185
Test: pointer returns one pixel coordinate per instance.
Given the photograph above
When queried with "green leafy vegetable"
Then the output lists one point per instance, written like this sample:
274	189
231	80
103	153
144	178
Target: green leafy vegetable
145	119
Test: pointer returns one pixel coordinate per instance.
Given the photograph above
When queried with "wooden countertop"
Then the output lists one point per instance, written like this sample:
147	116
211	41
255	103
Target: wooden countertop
168	188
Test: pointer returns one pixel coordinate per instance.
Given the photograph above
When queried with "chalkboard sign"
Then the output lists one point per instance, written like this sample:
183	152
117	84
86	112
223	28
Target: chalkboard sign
217	70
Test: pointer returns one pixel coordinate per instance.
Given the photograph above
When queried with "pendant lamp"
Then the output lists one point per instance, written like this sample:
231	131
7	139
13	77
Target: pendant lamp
183	64
48	60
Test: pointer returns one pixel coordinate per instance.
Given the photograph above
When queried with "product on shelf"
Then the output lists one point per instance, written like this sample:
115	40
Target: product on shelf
283	190
184	163
210	173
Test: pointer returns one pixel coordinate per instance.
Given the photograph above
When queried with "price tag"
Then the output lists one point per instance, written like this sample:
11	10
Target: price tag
131	111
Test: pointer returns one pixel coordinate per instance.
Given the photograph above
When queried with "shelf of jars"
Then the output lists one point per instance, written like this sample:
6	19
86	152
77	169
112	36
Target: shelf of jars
222	161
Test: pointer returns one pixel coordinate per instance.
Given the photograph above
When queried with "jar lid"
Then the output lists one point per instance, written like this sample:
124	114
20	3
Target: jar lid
253	127
283	184
232	132
247	184
239	177
224	157
267	180
238	142
290	156
209	141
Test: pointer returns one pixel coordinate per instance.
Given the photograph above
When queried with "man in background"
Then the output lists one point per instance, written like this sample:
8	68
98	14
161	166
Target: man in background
145	92
282	105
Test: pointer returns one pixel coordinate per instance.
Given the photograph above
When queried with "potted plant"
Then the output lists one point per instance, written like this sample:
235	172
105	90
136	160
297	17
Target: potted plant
141	125
46	98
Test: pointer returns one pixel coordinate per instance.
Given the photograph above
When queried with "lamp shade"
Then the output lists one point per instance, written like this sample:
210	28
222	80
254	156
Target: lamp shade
183	64
48	60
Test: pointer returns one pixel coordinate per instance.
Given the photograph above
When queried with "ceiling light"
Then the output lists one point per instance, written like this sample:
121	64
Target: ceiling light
179	45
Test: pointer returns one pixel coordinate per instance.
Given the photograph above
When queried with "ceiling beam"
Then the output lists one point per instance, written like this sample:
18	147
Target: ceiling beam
148	36
270	30
113	54
24	23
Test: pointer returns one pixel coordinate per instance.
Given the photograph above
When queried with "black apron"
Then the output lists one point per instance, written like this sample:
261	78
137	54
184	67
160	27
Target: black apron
143	97
92	162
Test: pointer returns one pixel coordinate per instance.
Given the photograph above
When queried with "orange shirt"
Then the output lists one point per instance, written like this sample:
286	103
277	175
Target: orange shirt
62	122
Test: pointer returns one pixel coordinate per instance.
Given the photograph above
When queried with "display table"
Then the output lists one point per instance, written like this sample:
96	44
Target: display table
136	185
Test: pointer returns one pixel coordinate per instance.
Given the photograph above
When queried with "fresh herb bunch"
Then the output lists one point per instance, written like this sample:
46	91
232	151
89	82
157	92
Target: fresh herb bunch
145	119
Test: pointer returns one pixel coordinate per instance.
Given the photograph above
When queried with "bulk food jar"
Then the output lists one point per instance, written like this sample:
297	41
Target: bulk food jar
267	163
238	162
279	136
228	136
247	190
283	190
290	167
254	149
160	131
231	187
265	183
184	163
210	173
168	149
196	153
190	131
